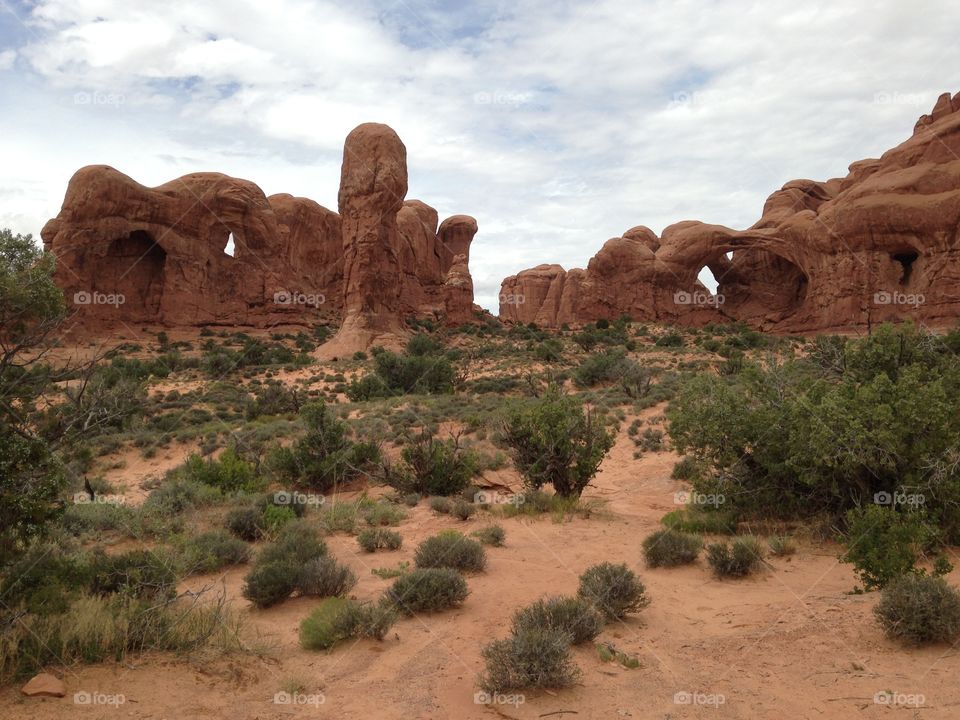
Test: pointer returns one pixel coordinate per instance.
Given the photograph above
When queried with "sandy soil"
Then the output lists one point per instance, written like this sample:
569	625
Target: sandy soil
789	643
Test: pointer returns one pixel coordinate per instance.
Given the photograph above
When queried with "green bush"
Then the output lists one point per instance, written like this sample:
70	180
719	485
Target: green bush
246	523
781	546
373	539
400	374
45	579
270	583
882	543
493	535
450	549
325	577
744	557
275	517
533	658
339	517
462	509
432	467
555	442
669	340
442	505
137	573
383	514
919	609
229	473
177	495
337	619
668	548
325	456
297	542
212	551
427	590
694	520
614	590
573	616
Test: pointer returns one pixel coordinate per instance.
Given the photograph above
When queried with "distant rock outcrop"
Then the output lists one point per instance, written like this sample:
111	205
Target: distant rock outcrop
881	244
132	255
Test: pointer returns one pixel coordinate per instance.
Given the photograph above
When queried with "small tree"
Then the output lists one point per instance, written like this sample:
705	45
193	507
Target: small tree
554	440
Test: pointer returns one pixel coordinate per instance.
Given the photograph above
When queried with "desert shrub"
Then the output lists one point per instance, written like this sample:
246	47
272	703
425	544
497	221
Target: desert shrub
178	494
411	499
274	398
337	619
668	548
373	539
671	339
573	616
270	583
919	609
325	577
554	441
533	658
614	590
432	467
137	573
339	517
442	505
229	473
684	469
600	367
298	541
275	517
862	419
97	517
550	350
212	551
450	549
422	345
493	535
45	579
403	373
882	543
695	520
743	557
382	514
781	546
246	523
462	509
427	590
325	456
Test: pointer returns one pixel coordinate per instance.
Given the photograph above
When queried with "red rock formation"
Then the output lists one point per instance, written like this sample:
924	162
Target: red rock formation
130	254
883	243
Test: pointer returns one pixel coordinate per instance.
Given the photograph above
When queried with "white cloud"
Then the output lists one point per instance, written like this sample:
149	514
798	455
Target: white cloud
558	125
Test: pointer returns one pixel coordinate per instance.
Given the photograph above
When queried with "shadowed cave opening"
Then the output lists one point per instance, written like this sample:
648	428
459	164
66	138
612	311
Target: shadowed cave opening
136	271
906	260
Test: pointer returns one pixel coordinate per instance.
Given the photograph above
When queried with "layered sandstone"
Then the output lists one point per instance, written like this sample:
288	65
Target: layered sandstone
880	244
128	254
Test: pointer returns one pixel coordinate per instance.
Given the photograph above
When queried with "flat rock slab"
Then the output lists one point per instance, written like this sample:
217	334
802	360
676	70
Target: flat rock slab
44	685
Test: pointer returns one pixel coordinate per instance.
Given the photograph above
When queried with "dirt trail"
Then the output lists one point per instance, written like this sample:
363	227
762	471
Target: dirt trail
789	643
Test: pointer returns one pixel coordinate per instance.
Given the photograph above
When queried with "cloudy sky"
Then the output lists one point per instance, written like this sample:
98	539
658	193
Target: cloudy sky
556	124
